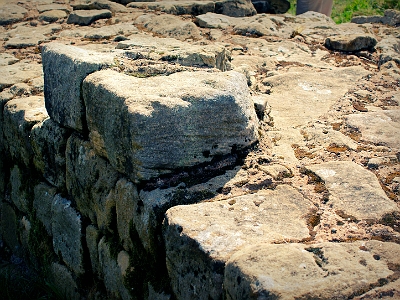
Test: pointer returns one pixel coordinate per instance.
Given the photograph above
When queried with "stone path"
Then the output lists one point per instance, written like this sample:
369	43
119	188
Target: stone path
311	210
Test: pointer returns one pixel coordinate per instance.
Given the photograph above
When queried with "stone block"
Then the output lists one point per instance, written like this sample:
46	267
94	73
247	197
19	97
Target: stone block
20	115
49	142
42	203
150	126
200	238
67	234
20	190
89	180
92	241
63	281
87	17
62	90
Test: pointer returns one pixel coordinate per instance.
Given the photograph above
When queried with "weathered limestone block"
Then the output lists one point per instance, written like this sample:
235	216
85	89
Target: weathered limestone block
172	50
106	32
49	142
42	202
23	36
7	59
126	201
354	190
263	25
63	281
297	271
213	20
146	127
90	179
200	238
62	90
20	190
87	17
114	269
19	117
380	127
92	241
170	26
67	233
351	43
11	13
389	49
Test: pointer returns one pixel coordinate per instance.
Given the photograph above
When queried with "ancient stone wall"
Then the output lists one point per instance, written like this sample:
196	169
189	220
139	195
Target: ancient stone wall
237	156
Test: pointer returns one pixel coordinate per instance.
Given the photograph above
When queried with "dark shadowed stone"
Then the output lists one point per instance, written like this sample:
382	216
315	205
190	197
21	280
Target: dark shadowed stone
87	17
271	6
350	43
52	15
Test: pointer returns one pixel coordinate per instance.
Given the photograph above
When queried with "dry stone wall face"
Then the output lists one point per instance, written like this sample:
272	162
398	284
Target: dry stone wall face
198	150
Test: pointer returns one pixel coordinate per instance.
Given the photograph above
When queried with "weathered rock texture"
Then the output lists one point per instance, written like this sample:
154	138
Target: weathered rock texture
197	150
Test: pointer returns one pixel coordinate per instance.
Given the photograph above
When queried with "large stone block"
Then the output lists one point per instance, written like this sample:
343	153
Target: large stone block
200	238
42	202
90	179
62	90
67	233
49	142
20	115
147	127
300	271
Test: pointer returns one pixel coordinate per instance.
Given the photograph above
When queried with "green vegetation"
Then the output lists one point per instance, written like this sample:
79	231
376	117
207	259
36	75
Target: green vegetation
344	10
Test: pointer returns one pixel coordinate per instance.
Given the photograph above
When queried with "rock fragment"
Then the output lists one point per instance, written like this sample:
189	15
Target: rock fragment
52	15
87	17
350	43
11	13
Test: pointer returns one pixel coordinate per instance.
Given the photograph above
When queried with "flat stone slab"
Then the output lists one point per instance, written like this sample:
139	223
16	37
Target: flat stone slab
21	71
200	238
99	4
54	6
300	97
87	17
52	15
354	190
7	59
154	130
11	13
172	50
106	32
299	271
380	127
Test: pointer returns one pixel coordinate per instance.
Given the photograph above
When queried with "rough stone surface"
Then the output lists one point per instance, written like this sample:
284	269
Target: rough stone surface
350	43
7	59
110	31
271	6
21	71
99	4
379	127
67	233
87	17
140	106
308	271
11	13
49	142
391	17
63	281
42	202
21	115
200	238
9	227
347	181
92	241
89	180
19	194
52	15
62	90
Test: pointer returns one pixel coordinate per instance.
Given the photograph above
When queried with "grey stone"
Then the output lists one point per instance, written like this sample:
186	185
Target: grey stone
380	127
20	189
213	20
149	119
42	202
90	179
62	90
391	17
53	6
92	237
200	238
11	13
21	71
20	115
67	233
271	6
353	190
49	140
376	162
63	281
175	51
112	271
87	17
235	8
126	199
106	32
170	26
291	271
350	43
389	49
99	4
52	15
263	25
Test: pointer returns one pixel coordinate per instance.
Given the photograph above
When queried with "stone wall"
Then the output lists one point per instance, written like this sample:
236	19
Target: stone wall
91	168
